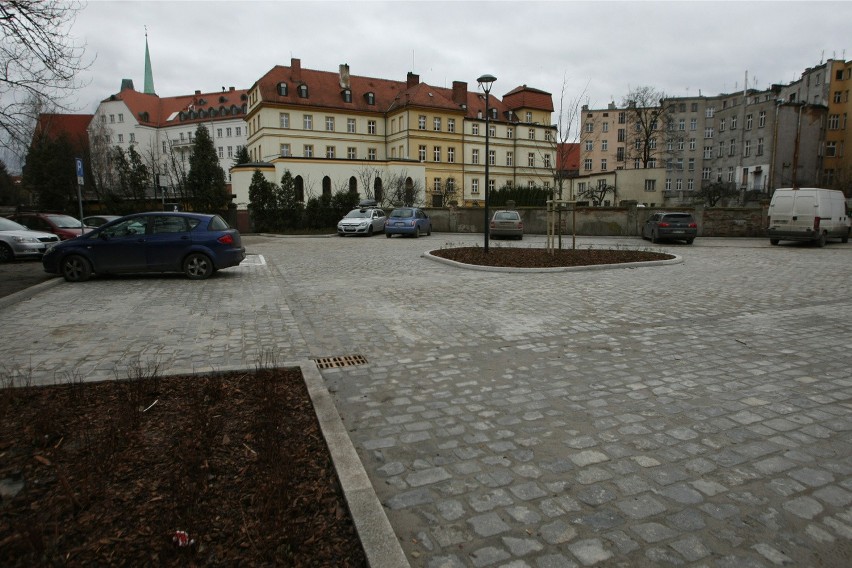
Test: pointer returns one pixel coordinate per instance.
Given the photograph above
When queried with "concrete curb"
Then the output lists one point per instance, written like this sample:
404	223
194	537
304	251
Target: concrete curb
676	260
28	293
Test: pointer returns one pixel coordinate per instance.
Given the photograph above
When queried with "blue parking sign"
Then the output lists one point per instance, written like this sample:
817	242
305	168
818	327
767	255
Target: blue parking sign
79	164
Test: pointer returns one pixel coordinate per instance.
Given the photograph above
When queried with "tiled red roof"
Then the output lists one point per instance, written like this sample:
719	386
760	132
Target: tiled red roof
156	111
54	125
325	90
527	97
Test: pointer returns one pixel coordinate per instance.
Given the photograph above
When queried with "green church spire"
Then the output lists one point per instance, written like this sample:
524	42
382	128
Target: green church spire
149	75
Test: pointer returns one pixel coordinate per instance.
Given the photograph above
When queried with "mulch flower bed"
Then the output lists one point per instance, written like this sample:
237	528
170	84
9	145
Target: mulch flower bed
518	257
227	469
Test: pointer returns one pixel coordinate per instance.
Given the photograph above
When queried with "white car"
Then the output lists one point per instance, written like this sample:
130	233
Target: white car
16	241
362	221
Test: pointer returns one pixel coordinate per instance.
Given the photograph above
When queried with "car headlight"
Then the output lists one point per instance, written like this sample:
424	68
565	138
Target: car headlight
25	239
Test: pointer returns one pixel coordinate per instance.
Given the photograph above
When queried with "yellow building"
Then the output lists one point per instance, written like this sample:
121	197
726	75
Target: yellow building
837	153
391	139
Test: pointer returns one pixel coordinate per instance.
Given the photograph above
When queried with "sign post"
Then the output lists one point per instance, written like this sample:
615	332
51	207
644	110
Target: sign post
79	164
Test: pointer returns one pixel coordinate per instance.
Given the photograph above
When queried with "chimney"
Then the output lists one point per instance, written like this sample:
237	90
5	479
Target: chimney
231	88
295	69
412	80
197	92
460	92
344	75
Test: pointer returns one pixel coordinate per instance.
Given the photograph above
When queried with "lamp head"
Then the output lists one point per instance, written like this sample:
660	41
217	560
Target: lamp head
485	82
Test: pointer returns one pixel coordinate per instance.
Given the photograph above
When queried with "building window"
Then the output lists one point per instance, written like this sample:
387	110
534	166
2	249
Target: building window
834	122
474	157
749	121
121	138
421	153
492	185
732	147
705	173
678	184
347	96
531	160
436	154
421	122
308	123
230	151
691	164
303	91
587	164
529	116
451	155
238	131
708	132
436	185
690	184
329	152
350	125
285	150
733	123
721	125
730	174
309	150
619	154
165	147
371	98
220	151
351	153
510	132
436	124
474	129
547	160
590	145
218	133
371	154
451	125
830	149
747	148
605	127
692	144
760	146
531	134
492	158
604	145
284	119
650	185
761	119
329	124
510	159
474	185
120	117
603	164
112	119
709	112
282	89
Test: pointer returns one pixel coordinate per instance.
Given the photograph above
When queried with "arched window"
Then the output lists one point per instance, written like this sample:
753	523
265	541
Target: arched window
353	185
282	89
223	110
347	95
234	109
300	189
326	187
371	98
378	192
303	91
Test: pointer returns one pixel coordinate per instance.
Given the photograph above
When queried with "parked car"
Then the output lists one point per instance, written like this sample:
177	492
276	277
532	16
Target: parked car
98	220
362	221
670	226
63	226
506	224
808	214
193	243
16	241
408	221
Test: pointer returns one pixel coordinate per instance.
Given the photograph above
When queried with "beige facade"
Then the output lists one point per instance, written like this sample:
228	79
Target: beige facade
330	127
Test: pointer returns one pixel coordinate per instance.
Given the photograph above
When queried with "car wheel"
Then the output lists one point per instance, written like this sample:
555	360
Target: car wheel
520	237
416	232
689	241
388	235
6	253
370	231
821	240
773	241
197	266
75	268
844	238
654	237
429	232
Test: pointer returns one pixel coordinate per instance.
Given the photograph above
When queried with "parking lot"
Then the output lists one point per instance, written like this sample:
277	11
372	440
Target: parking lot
698	414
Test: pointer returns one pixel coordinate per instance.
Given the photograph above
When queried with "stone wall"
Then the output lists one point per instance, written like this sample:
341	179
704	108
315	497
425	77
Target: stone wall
609	221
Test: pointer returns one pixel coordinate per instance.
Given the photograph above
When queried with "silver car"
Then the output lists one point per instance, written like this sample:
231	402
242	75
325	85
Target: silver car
362	221
16	241
507	224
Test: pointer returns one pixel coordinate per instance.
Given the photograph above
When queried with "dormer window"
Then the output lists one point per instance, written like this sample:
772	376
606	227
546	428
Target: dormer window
282	89
493	114
303	91
347	95
371	98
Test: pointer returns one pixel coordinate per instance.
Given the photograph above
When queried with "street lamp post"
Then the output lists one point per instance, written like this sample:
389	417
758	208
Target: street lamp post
485	83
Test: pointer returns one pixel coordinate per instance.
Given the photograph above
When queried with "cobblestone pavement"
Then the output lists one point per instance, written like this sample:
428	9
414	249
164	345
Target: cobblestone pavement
698	414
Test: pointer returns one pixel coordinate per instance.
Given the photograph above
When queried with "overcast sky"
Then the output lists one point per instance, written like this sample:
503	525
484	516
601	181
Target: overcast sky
598	50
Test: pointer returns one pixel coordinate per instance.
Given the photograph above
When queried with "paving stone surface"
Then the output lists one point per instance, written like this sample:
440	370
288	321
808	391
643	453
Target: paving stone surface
698	414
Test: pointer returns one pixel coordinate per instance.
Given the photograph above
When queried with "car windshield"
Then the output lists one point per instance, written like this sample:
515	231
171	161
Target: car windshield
65	222
9	225
358	214
402	213
683	217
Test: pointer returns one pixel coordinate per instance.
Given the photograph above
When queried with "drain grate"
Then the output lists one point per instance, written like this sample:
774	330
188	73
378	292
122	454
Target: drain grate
342	361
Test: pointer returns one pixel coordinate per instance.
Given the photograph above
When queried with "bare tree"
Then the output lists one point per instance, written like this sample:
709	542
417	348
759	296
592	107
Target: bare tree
446	193
712	193
402	190
597	193
39	63
649	125
367	179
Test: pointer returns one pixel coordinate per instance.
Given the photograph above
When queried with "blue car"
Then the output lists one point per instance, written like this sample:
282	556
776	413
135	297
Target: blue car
193	243
408	221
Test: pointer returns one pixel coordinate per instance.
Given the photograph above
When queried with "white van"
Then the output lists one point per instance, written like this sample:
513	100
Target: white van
808	214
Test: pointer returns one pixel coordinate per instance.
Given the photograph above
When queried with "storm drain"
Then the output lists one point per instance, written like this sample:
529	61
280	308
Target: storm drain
342	361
